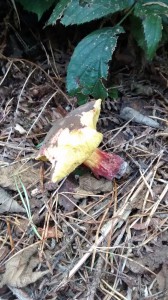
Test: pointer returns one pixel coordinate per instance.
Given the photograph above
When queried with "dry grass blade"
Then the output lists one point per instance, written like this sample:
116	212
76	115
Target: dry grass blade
35	121
22	90
26	204
7	71
112	292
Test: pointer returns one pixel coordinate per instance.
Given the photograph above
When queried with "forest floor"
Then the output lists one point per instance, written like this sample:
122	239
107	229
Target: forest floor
84	238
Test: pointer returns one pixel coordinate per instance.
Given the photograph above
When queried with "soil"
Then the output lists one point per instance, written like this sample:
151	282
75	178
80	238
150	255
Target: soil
93	238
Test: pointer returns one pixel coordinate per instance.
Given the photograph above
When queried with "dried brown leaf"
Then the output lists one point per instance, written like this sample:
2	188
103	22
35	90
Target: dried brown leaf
19	269
66	192
160	277
149	261
51	232
8	204
139	88
90	183
27	173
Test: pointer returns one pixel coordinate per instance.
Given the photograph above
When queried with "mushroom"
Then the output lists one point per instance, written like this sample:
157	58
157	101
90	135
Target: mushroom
73	140
108	165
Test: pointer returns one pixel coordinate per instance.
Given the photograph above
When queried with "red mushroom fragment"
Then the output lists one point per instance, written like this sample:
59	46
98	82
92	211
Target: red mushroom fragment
108	165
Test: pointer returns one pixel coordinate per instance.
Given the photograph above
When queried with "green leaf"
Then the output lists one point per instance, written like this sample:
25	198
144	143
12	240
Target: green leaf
99	90
153	33
156	7
138	32
150	13
58	11
89	62
82	99
144	8
38	7
113	93
165	31
82	11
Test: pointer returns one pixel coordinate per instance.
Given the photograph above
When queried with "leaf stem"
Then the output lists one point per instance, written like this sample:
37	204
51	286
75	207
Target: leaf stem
127	14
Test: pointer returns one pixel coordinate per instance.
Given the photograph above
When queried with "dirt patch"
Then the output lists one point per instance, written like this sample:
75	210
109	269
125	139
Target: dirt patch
97	239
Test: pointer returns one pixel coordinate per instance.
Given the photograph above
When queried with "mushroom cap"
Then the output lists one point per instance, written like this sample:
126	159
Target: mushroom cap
72	140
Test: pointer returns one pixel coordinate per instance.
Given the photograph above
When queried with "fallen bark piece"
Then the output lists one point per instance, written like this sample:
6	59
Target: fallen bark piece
19	269
108	165
128	113
72	140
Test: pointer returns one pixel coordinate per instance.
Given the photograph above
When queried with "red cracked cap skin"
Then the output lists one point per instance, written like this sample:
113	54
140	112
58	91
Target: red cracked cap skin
105	164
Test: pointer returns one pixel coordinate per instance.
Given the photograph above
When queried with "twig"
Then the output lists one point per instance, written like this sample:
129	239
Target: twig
90	294
21	92
15	146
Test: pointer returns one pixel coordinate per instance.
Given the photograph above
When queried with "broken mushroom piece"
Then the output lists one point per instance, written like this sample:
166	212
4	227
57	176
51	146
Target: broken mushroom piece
72	140
108	165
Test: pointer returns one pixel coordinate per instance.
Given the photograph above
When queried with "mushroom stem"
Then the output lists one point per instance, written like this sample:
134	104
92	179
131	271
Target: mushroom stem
108	165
